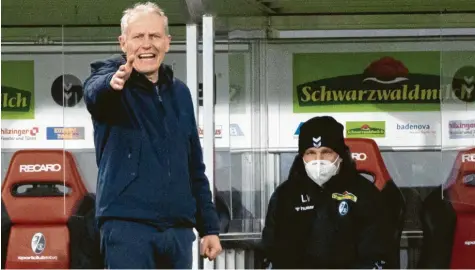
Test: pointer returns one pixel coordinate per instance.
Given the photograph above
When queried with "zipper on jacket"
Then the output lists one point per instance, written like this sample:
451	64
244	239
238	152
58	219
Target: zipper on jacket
169	170
157	90
162	107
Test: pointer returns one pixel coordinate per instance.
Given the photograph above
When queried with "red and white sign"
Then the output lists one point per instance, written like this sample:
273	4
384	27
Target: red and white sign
218	131
23	134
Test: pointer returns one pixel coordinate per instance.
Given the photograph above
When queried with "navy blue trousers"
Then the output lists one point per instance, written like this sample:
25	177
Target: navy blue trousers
133	245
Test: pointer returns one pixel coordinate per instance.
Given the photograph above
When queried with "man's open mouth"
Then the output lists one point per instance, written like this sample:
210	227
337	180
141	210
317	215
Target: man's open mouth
146	56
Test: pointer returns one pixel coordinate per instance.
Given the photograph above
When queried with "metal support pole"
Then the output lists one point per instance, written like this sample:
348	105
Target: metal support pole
192	82
208	105
192	63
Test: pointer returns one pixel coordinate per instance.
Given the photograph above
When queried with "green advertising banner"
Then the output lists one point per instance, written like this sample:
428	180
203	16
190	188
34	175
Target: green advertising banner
368	129
18	90
366	82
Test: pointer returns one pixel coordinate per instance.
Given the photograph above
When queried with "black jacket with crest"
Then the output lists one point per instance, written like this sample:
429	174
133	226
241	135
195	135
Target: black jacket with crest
342	225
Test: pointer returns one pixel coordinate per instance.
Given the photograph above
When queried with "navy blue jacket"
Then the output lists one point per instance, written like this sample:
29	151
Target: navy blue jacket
148	151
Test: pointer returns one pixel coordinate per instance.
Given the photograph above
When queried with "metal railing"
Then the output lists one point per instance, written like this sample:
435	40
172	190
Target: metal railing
241	252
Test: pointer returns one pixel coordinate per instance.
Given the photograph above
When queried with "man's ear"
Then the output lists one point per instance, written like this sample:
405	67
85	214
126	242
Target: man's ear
122	43
167	45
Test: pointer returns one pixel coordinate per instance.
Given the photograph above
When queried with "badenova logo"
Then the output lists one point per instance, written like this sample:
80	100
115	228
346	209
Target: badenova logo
415	128
18	90
369	129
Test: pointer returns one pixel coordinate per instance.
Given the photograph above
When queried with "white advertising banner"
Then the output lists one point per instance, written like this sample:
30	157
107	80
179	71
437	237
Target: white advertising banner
402	95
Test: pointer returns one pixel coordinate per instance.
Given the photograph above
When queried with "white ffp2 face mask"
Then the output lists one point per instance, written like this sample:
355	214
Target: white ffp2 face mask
320	171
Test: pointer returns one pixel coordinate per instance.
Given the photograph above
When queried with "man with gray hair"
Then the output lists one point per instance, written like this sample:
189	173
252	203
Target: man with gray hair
152	188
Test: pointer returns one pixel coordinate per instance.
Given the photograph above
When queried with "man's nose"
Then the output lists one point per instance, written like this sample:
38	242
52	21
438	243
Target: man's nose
147	42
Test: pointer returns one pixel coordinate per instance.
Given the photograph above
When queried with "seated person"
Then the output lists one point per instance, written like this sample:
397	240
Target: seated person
326	215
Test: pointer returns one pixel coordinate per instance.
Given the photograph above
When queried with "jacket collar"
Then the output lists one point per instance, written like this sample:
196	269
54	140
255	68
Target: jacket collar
165	77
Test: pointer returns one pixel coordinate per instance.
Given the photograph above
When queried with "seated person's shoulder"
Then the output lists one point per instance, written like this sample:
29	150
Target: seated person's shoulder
364	183
366	190
282	190
286	186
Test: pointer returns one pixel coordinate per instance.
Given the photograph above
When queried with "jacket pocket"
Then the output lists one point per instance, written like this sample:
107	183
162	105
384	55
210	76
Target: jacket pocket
130	161
120	162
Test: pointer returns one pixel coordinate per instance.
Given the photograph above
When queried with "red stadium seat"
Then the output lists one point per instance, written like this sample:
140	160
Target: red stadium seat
41	191
365	152
368	159
462	197
449	218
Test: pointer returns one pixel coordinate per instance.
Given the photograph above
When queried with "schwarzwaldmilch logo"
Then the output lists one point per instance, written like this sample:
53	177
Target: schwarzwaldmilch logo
368	129
384	81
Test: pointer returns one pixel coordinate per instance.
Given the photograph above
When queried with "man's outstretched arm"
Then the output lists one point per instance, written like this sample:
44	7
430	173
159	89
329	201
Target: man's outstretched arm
102	89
